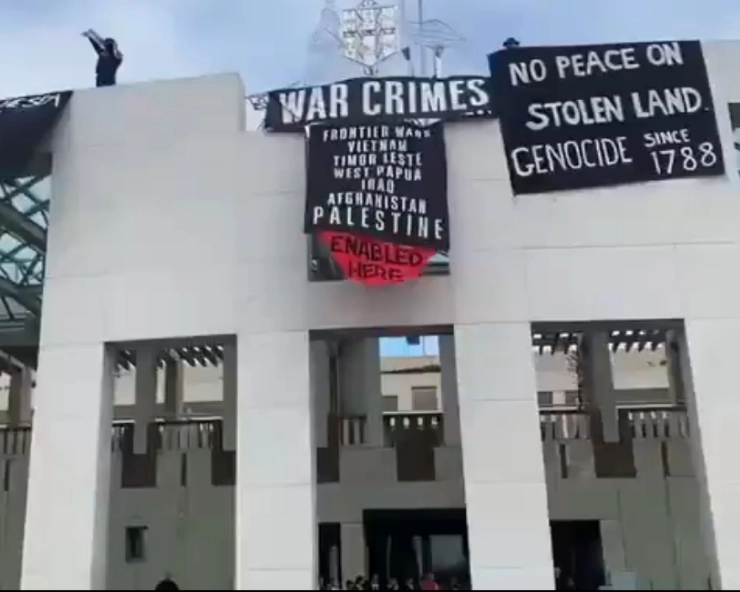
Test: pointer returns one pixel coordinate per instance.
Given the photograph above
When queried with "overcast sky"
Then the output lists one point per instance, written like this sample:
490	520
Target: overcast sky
266	40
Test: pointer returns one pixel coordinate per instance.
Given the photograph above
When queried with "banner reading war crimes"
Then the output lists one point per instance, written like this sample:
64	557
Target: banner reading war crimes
361	99
377	198
587	116
25	122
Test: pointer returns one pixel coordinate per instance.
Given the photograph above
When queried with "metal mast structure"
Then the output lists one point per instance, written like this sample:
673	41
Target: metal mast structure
362	39
431	35
370	34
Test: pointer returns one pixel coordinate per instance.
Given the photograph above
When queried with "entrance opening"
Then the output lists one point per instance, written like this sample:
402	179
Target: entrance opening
387	428
173	466
405	543
577	554
624	497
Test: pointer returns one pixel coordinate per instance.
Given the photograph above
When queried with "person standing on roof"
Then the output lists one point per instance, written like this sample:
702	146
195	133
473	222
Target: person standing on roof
109	58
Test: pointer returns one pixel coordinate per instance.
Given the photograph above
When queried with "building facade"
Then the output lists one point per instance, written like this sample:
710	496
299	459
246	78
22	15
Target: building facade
170	222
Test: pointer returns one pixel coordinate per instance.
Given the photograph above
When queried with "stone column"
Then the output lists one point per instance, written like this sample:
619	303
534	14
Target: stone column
173	389
230	396
353	551
19	397
360	385
450	405
320	390
598	382
505	489
276	527
145	407
708	358
676	388
612	544
65	546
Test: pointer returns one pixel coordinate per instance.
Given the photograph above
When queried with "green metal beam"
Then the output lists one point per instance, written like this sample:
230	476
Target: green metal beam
21	227
28	297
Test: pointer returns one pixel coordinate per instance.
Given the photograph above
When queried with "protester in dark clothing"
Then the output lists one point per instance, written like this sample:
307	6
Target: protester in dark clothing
511	43
167	584
109	58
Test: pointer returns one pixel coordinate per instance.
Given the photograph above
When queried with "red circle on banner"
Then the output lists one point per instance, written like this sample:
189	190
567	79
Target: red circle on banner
373	262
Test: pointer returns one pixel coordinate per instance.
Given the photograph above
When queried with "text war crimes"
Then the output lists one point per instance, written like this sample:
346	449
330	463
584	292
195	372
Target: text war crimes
387	98
374	168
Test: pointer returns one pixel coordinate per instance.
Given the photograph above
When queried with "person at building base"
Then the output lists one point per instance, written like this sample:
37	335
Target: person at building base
109	58
167	584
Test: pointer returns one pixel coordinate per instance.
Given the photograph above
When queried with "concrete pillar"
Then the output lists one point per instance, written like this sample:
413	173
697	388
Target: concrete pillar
19	397
676	388
320	390
505	489
276	528
598	383
334	567
419	552
612	544
353	551
65	545
450	405
145	406
173	389
708	358
360	385
230	396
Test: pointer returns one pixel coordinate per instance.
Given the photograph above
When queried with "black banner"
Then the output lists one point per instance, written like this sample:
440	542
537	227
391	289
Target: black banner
24	124
387	181
586	116
362	99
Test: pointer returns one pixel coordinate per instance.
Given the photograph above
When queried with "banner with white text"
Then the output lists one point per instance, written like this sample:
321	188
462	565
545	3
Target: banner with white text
377	197
588	116
25	122
364	99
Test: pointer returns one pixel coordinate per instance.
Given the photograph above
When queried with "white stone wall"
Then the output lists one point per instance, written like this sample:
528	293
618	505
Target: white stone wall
168	220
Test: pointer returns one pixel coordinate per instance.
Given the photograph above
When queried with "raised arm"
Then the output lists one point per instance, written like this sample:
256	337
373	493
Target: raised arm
95	40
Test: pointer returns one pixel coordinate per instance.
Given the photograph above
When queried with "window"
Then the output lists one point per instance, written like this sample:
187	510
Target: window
424	398
390	403
135	543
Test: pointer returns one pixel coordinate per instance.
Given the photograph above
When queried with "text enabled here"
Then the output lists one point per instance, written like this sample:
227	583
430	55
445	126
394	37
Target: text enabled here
372	262
587	116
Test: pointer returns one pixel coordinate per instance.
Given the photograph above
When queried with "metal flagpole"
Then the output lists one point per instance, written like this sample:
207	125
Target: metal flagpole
422	49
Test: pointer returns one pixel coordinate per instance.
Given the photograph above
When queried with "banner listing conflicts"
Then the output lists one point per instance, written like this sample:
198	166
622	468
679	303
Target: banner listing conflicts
377	196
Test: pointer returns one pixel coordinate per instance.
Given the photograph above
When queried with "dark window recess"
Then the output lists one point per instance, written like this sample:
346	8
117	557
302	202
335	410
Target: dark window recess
135	543
139	470
184	470
563	458
415	459
223	462
223	467
7	474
